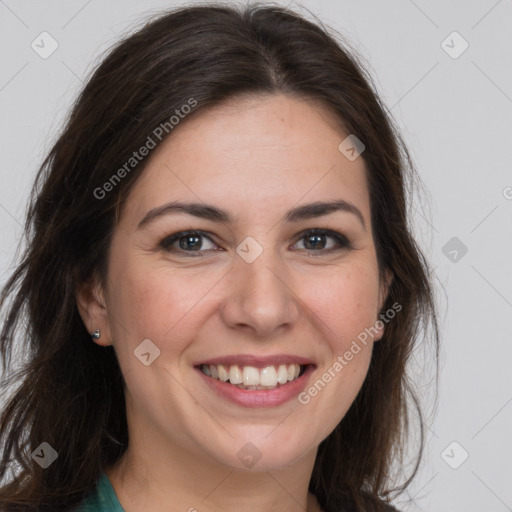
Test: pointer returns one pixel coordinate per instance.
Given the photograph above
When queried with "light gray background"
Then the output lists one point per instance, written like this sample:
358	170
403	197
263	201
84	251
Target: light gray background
456	116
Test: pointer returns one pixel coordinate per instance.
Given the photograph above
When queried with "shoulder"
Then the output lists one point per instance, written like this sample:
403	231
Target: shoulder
102	499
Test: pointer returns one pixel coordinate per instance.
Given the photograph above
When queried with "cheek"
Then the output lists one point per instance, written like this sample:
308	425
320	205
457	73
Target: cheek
147	303
345	302
344	309
156	302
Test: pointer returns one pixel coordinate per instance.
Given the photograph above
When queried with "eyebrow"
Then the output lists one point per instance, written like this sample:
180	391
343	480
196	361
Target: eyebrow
212	213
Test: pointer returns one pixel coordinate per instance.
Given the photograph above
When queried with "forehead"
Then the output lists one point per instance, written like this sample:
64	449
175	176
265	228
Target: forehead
254	153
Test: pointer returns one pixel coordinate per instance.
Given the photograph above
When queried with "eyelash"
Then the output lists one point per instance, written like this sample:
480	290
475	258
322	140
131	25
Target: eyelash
341	240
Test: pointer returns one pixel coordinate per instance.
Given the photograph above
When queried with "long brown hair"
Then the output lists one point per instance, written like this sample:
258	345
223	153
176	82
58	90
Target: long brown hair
69	391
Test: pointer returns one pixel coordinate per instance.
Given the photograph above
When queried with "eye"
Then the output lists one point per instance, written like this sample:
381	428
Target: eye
193	242
316	241
188	241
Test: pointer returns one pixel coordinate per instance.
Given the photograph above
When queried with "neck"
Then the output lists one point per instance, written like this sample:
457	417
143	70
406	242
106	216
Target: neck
151	475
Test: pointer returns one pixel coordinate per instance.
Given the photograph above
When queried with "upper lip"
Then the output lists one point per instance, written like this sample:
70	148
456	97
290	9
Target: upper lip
257	361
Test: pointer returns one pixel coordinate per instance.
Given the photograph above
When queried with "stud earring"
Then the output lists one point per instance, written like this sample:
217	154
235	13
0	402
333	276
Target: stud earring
96	334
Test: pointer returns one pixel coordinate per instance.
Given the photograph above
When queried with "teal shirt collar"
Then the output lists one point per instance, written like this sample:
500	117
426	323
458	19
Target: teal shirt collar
102	499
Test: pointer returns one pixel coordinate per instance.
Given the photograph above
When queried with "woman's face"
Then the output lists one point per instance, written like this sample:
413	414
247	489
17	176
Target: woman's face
251	290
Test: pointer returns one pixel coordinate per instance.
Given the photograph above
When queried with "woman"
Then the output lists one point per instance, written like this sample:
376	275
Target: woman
220	285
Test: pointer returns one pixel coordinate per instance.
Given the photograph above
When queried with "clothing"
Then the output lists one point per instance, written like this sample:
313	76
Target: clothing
102	499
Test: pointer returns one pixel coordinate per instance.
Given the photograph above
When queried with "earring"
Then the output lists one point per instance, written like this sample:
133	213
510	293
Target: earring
96	334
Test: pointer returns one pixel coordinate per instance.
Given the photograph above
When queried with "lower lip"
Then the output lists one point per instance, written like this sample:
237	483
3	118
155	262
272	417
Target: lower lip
258	397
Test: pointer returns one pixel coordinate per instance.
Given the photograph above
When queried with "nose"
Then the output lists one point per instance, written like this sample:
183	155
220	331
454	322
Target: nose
260	298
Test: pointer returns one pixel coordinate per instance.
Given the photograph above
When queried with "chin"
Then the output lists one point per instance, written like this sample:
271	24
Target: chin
265	454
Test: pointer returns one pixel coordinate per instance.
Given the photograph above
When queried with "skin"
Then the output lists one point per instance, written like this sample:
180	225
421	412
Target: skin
256	157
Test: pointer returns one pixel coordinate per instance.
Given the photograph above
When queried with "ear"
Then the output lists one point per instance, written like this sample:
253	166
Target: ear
91	304
383	295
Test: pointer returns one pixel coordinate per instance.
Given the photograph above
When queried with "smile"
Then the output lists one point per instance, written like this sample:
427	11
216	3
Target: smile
253	378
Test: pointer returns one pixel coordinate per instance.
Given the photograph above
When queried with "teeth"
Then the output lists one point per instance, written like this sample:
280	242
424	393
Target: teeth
223	373
268	376
282	374
250	377
235	375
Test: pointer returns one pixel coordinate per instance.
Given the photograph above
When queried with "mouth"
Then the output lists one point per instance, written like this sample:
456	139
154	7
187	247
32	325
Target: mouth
256	380
250	378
